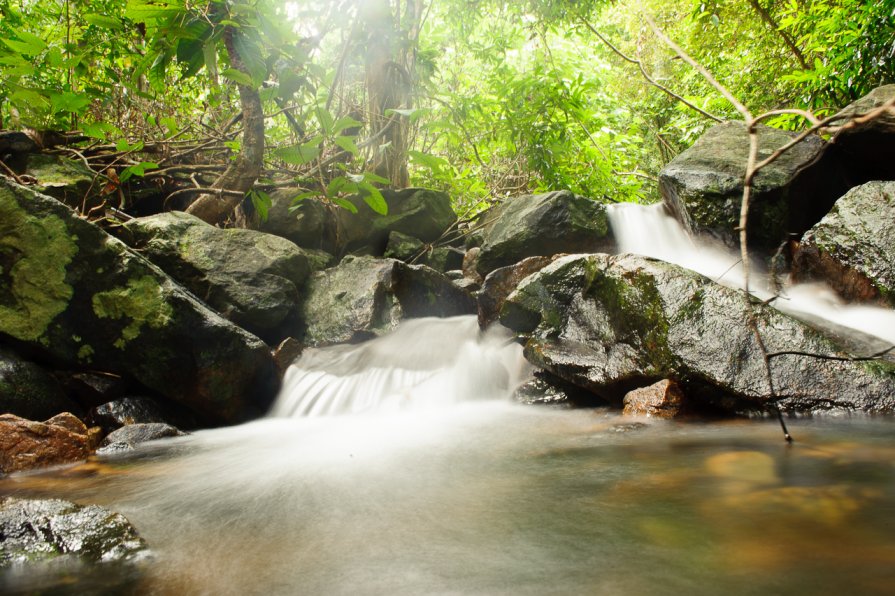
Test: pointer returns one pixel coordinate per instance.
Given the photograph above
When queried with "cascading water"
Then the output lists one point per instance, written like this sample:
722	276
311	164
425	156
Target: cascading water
648	230
423	363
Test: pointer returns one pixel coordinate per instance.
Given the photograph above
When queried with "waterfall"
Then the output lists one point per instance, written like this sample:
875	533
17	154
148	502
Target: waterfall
648	230
423	363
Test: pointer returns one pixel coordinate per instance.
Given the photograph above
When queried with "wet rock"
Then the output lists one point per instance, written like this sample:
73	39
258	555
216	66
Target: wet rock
77	296
286	353
542	225
251	278
363	297
36	531
660	400
27	390
500	283
703	186
25	444
853	247
612	324
124	411
868	149
128	437
95	388
546	389
470	263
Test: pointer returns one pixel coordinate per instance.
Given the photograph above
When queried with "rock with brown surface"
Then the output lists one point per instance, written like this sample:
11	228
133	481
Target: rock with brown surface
25	444
500	283
659	400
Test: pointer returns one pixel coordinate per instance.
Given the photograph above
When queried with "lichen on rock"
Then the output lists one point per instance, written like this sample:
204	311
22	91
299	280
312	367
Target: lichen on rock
141	300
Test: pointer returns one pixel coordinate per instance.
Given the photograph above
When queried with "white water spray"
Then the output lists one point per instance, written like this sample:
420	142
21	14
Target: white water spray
648	230
423	363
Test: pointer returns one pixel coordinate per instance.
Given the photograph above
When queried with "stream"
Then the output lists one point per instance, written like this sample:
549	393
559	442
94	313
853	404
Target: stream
401	466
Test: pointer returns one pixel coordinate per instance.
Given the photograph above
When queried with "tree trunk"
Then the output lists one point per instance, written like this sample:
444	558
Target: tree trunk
242	173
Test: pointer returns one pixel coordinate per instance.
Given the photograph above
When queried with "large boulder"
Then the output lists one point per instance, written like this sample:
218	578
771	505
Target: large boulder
364	296
27	390
853	247
249	277
612	324
541	225
500	283
868	148
36	531
25	444
79	297
424	214
703	186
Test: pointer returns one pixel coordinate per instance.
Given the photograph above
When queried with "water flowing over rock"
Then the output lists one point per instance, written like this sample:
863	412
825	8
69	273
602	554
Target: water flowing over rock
868	149
27	390
128	437
249	277
853	246
25	444
35	531
541	225
77	296
611	324
363	297
703	186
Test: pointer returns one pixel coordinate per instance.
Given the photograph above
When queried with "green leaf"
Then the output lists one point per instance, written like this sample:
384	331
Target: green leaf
347	143
345	122
190	53
27	44
29	97
338	185
409	113
371	177
104	22
170	124
68	102
237	76
325	118
297	199
374	198
262	202
140	168
252	58
152	10
300	154
344	204
54	57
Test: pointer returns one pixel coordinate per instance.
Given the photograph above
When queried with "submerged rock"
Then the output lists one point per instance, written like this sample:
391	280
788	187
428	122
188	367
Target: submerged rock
35	531
853	247
703	186
249	277
363	297
541	225
27	390
77	296
25	444
612	324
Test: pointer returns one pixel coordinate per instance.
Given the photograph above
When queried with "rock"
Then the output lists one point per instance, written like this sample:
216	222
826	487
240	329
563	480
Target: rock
29	391
403	247
95	388
612	324
853	247
289	350
868	149
363	297
35	531
470	262
249	277
418	212
124	411
128	437
703	186
542	225
77	296
25	444
659	400
424	214
65	179
546	389
414	251
312	224
500	283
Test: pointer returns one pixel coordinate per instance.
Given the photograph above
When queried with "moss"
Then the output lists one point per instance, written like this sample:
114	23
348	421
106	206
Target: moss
37	251
142	301
85	353
879	368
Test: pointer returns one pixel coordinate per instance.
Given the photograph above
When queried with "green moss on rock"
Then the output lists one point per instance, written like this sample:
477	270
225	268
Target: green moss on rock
142	301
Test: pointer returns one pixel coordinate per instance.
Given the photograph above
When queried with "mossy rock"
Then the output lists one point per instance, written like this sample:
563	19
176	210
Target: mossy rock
612	324
79	297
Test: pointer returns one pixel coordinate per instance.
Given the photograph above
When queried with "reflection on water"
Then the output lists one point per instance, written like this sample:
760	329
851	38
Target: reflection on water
490	498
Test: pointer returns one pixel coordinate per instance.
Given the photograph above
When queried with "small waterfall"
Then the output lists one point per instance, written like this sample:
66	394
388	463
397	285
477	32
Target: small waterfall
423	363
648	230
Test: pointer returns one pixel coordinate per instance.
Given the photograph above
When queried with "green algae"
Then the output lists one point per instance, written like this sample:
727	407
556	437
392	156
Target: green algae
36	251
142	301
